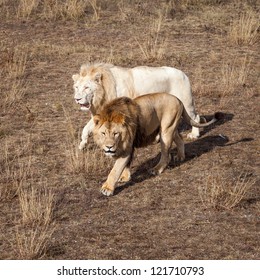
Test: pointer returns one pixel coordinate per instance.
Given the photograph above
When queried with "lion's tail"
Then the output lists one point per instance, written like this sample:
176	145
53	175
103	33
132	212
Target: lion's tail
217	116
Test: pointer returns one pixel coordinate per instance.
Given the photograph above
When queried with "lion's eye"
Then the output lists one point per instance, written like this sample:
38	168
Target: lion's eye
86	87
116	134
103	133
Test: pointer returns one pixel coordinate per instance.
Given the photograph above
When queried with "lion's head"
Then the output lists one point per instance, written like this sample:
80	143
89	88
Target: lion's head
115	127
93	87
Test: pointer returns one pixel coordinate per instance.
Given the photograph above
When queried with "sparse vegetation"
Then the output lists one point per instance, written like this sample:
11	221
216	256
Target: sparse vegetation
234	74
49	190
36	205
32	243
224	192
245	29
26	8
153	47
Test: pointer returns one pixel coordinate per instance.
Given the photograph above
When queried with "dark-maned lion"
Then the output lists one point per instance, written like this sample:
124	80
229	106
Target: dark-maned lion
125	124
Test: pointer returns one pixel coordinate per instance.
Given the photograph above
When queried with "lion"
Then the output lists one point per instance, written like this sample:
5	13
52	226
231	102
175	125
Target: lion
125	124
97	84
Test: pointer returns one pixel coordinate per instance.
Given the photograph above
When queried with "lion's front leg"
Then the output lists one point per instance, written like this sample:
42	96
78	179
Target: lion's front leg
114	175
87	130
126	175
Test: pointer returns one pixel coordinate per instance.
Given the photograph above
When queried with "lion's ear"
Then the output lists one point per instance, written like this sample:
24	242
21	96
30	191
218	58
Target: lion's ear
96	119
98	77
83	70
75	77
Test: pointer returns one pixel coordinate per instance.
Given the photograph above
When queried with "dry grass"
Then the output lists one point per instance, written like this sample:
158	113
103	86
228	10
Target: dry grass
14	172
199	86
15	94
32	243
153	46
15	64
26	8
96	9
40	50
244	30
74	9
52	9
92	160
224	192
36	205
234	74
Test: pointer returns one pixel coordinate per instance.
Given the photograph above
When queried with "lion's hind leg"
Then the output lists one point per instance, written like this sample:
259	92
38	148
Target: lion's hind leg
180	146
195	132
166	139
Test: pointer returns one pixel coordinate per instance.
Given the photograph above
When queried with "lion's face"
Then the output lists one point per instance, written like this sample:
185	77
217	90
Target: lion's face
112	137
85	89
109	138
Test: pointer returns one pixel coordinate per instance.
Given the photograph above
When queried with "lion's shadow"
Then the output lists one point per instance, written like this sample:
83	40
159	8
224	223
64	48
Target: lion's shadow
192	150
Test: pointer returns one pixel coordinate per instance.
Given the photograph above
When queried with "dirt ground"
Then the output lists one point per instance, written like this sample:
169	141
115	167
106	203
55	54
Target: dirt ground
207	207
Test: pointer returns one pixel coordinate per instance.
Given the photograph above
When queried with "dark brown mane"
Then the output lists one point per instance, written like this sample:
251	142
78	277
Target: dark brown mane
142	140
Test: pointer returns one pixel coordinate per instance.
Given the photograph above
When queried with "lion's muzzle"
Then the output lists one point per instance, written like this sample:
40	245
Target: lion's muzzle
110	151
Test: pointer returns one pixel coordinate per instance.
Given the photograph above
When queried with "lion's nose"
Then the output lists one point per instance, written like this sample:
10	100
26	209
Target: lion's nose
109	147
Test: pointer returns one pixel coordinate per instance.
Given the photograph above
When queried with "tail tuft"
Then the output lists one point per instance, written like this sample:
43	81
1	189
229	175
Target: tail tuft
219	116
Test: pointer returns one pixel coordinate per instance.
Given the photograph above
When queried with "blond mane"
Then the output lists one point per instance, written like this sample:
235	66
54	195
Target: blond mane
108	80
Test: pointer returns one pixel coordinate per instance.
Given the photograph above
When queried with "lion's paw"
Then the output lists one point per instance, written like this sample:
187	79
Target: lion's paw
82	145
107	190
179	158
157	170
192	136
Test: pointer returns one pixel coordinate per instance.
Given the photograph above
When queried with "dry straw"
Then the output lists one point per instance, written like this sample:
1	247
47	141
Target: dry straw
33	243
244	30
224	192
234	74
153	46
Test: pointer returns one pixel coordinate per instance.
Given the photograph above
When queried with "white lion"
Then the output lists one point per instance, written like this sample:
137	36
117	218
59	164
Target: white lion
100	83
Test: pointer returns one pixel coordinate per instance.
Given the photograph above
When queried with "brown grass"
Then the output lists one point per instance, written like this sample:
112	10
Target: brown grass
32	243
14	171
26	8
96	9
92	160
225	192
245	29
234	74
52	9
153	46
170	216
36	205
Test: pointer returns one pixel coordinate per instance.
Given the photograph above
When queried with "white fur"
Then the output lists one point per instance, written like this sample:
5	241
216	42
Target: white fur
136	81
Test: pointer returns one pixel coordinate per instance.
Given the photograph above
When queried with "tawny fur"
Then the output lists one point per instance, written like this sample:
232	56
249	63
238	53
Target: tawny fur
125	124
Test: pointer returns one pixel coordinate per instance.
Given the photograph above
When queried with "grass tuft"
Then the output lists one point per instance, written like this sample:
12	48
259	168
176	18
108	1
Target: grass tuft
244	30
32	243
234	74
36	205
224	192
153	47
